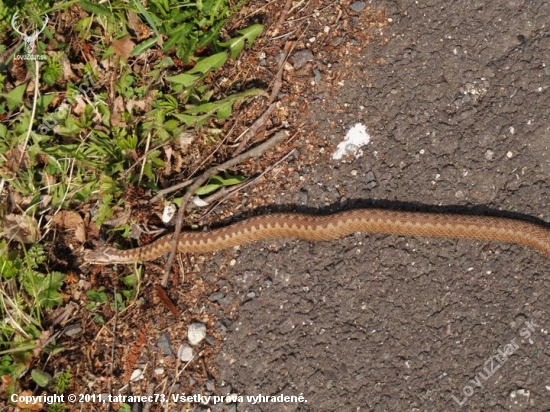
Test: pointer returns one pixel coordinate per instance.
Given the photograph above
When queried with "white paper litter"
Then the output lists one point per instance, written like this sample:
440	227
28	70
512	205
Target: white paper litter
356	137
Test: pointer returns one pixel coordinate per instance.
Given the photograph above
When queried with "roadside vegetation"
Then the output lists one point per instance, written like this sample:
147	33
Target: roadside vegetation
120	83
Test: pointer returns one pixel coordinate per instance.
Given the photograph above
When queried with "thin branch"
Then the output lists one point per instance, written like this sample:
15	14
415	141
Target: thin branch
253	153
170	190
244	185
144	162
260	122
189	181
35	99
284	13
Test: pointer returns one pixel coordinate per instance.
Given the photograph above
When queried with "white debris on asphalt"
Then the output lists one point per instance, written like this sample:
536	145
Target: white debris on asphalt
356	137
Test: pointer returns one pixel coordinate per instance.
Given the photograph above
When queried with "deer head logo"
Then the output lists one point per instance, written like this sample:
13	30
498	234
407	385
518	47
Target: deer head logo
29	39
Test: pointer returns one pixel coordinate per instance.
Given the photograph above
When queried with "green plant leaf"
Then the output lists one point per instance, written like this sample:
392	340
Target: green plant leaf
222	108
130	280
143	46
217	182
209	63
187	80
94	8
149	17
225	110
15	97
48	296
97	295
207	189
83	26
230	180
237	44
44	101
41	378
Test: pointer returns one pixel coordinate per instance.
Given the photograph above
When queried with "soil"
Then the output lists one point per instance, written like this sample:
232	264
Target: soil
455	98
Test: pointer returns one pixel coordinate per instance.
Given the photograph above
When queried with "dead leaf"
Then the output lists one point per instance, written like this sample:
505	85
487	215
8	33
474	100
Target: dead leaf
67	69
79	104
69	220
141	30
186	138
22	229
166	301
29	396
14	163
144	104
93	230
41	342
123	47
116	110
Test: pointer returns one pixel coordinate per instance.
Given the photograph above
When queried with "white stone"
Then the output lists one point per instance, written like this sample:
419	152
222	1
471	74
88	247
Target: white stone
185	353
196	333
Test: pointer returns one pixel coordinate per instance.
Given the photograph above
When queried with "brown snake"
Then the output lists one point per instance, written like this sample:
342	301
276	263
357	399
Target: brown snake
313	227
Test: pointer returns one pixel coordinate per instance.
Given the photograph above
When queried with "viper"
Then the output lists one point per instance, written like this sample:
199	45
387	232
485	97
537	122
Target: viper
319	228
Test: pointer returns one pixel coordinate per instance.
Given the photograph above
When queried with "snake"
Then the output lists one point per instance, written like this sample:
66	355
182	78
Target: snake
328	227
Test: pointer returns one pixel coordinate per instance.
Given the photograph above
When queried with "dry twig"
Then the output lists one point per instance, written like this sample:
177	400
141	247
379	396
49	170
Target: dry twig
253	153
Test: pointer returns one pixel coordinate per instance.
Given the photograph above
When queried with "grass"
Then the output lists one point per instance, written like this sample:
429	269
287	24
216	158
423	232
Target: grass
72	137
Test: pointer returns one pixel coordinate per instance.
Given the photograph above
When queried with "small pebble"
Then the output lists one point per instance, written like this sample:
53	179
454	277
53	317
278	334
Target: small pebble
136	375
196	333
489	154
73	330
185	353
509	155
301	58
165	345
371	180
214	297
358	6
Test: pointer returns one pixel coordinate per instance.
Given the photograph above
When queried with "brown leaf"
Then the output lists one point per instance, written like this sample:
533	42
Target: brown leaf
134	22
123	47
29	396
67	219
22	229
16	160
144	104
116	110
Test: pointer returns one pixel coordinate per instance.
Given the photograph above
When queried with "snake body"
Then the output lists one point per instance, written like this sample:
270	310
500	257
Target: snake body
319	228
